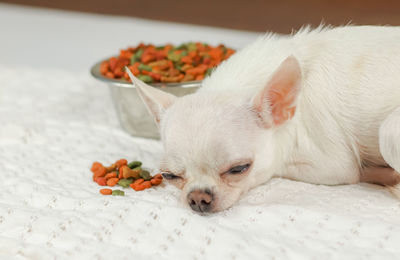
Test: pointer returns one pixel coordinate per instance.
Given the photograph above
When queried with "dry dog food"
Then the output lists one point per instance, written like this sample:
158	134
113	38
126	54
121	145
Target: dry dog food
106	191
123	174
151	64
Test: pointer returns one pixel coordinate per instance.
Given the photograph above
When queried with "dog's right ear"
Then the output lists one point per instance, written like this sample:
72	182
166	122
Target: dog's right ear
156	101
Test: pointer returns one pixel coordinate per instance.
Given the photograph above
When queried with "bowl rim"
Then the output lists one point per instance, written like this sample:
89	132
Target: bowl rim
95	72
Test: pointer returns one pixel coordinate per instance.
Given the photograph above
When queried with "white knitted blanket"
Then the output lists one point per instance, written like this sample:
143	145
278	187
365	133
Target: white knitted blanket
55	124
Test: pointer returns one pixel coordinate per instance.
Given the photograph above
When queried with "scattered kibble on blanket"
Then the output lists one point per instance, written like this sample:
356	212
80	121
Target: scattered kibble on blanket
106	191
123	174
118	193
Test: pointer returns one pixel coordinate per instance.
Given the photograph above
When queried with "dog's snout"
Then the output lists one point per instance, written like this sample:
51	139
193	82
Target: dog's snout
201	200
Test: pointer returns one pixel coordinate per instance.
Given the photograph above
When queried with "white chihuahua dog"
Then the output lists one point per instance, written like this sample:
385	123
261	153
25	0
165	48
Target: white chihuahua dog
320	106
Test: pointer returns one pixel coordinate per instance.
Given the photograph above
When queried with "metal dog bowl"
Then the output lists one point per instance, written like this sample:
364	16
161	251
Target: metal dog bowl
132	113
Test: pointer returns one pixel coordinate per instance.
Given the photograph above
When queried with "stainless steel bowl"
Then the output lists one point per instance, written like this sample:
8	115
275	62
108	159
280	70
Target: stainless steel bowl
132	113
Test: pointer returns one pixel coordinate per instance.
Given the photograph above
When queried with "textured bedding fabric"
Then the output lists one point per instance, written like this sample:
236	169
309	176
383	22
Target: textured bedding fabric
54	123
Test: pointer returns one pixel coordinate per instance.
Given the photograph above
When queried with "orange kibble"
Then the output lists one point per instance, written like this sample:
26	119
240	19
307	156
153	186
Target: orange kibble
112	182
126	76
187	60
160	55
122	169
113	63
158	176
99	172
146	58
138	181
125	54
134	69
118	72
146	184
156	181
206	61
145	72
201	69
192	54
109	74
121	163
229	53
111	175
170	64
101	181
95	166
141	186
155	76
106	191
200	46
111	168
104	67
216	54
138	187
200	77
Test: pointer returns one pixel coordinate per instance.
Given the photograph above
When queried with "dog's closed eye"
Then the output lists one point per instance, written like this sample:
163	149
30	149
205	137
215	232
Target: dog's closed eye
170	176
239	169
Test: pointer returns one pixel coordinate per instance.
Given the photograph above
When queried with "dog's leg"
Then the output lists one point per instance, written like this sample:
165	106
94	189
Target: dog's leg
389	145
384	176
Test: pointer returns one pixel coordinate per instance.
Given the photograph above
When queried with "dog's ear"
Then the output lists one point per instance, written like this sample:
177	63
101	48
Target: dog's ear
156	101
276	102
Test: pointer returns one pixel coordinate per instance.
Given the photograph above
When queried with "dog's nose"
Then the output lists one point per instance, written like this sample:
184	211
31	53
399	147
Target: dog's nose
201	200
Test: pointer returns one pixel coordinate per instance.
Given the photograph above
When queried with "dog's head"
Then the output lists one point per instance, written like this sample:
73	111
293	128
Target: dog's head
220	144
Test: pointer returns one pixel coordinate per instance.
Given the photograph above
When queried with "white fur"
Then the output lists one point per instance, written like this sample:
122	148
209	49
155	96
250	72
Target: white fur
350	84
389	139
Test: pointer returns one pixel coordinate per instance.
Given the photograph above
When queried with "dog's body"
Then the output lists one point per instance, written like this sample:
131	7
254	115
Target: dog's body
351	83
321	106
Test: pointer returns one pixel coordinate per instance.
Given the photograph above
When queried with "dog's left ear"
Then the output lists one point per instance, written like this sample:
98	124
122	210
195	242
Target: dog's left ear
156	101
276	102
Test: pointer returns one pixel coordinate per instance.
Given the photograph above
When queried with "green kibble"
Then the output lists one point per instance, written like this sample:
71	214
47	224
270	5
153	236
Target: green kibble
118	193
208	72
144	67
178	67
145	175
160	47
133	59
174	56
137	168
125	182
191	46
145	78
181	47
184	53
136	57
134	164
